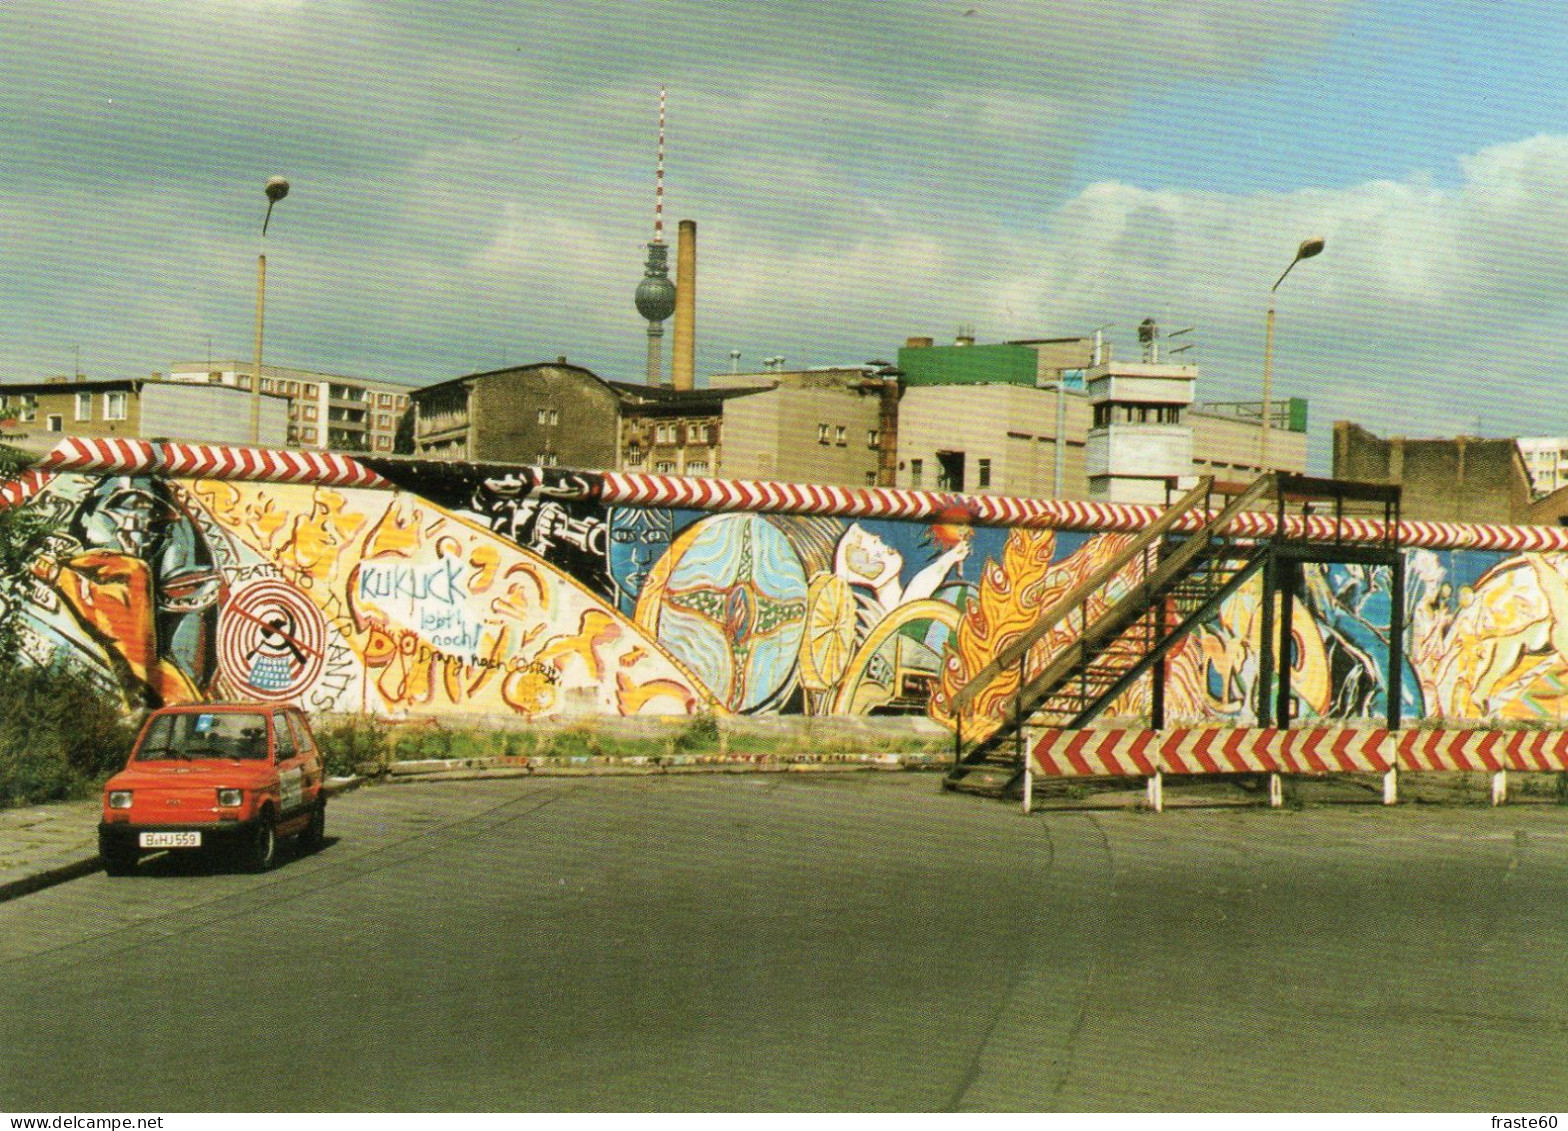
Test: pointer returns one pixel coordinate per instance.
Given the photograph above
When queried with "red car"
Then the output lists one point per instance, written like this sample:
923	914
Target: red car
231	776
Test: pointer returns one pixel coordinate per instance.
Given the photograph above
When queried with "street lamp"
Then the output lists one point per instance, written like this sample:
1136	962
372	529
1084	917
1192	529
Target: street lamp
1309	248
277	189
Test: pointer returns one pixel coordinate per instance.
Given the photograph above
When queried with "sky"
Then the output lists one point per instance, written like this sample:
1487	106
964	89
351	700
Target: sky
473	187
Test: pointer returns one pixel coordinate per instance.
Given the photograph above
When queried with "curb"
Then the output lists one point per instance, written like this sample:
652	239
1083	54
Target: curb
49	877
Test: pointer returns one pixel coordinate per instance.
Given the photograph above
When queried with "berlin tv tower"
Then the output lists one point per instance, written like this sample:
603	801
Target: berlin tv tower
656	294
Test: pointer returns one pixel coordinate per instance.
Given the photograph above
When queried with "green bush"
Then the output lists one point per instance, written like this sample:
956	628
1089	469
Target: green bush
701	734
347	742
61	735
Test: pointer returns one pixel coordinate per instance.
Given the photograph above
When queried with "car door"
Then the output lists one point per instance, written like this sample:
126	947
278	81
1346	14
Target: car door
291	769
309	755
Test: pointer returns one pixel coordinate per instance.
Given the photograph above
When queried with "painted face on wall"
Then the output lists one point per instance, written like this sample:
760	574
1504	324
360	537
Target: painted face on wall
638	539
863	558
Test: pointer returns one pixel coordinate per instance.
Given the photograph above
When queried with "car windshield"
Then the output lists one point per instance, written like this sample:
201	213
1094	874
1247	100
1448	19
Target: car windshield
220	734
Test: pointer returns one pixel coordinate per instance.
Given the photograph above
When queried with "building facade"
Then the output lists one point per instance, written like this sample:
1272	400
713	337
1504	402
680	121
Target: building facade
1546	459
325	410
1462	479
836	424
40	413
546	415
1016	418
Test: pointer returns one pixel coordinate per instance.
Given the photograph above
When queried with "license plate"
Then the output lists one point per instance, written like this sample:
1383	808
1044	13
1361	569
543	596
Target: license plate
170	840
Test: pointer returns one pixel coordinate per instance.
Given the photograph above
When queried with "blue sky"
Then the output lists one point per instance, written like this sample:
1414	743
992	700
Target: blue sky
473	186
1402	89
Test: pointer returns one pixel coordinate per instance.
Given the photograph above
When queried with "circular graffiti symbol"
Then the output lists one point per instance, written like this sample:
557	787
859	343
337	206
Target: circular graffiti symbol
271	640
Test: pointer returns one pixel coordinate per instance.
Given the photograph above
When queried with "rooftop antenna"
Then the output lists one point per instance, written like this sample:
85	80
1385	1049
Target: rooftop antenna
1100	353
656	294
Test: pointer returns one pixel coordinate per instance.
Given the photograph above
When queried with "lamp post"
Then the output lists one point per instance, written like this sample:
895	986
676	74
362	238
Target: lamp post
1309	248
277	189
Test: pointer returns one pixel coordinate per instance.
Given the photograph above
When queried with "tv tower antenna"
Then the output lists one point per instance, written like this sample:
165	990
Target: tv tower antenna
656	294
658	179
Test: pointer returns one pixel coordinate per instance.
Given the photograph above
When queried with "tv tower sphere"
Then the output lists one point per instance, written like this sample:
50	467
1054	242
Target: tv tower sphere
656	293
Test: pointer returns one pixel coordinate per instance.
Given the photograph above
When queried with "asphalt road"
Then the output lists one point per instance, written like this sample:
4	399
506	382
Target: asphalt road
791	942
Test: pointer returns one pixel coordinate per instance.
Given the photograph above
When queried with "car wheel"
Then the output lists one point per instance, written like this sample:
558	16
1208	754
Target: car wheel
119	858
315	833
261	851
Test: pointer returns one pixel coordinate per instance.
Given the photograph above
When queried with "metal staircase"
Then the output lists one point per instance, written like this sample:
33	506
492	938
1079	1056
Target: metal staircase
1179	580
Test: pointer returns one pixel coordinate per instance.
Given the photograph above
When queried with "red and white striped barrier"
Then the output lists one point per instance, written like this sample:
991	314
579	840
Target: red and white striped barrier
1336	750
1096	753
1211	750
1483	751
1151	754
625	488
208	461
1306	750
17	491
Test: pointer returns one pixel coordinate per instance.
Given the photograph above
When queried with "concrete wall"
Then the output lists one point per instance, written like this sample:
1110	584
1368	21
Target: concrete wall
211	414
511	591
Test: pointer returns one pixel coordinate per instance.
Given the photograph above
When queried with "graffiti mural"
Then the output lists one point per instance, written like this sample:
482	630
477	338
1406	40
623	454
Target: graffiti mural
442	588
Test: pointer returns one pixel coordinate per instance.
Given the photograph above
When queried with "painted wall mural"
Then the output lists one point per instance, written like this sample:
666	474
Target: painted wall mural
451	588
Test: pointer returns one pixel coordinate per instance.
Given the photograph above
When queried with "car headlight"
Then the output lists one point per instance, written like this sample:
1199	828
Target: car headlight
119	799
231	798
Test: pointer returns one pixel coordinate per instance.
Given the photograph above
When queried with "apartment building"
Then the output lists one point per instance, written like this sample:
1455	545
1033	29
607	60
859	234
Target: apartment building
325	410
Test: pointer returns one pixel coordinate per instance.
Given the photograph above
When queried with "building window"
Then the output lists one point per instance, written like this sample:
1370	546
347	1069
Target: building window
983	473
384	400
292	388
547	459
266	384
822	433
310	391
634	457
383	420
384	443
310	412
873	439
310	435
917	469
871	479
114	406
664	434
839	434
56	422
84	406
697	467
664	467
243	381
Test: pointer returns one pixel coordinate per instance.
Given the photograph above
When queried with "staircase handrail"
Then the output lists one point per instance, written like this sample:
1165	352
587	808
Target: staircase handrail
1141	594
1054	615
